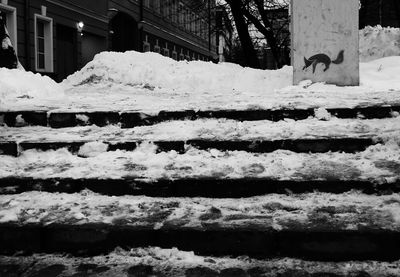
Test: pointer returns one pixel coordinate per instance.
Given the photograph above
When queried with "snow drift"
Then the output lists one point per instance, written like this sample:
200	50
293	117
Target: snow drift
378	42
15	83
153	71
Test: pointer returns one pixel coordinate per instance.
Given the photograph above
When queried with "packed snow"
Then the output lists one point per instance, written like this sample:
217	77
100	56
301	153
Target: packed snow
150	82
347	211
379	163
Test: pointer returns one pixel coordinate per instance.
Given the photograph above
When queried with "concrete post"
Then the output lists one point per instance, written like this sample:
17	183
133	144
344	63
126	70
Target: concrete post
325	41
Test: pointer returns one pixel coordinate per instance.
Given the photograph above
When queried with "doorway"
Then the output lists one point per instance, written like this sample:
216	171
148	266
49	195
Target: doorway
124	32
66	43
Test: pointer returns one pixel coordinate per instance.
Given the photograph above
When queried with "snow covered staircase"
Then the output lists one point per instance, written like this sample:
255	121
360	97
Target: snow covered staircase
299	191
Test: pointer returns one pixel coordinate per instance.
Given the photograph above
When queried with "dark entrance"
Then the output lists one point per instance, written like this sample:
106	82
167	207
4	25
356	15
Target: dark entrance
124	33
66	51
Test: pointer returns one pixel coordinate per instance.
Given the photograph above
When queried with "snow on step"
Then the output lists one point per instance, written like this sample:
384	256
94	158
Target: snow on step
130	119
325	126
378	163
174	263
312	211
305	225
315	135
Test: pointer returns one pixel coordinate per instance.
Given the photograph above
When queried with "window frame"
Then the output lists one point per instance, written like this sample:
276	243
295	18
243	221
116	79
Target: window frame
11	13
48	43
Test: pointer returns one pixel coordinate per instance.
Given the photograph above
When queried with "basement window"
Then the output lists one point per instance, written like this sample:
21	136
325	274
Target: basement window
43	43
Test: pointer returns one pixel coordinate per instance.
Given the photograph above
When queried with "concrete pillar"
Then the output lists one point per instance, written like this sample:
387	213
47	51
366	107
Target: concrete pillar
325	41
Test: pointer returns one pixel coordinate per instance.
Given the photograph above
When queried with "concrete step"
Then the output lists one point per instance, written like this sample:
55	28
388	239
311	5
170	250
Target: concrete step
192	187
174	263
347	145
314	226
57	119
378	164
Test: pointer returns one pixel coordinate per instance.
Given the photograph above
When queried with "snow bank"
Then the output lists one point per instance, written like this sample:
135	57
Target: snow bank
153	71
20	84
377	42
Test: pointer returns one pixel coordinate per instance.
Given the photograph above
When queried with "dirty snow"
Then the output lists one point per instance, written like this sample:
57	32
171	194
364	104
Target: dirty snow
324	125
379	163
347	211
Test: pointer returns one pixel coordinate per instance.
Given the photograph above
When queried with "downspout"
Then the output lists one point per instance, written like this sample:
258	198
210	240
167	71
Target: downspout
140	25
27	36
209	28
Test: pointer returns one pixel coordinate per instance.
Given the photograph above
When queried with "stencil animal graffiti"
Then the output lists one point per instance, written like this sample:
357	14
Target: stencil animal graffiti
323	59
8	58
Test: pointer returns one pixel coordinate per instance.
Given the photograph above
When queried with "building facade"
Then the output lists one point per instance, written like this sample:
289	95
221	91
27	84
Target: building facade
384	12
58	37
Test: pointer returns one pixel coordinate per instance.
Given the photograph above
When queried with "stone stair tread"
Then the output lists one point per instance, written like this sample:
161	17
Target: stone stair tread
348	145
175	263
212	129
129	119
360	227
378	163
192	187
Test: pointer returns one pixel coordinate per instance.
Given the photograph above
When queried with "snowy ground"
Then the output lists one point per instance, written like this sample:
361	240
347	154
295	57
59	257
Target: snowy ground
149	82
245	88
175	263
349	211
379	163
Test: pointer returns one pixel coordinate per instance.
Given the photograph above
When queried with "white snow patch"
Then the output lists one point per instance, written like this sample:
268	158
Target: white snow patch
322	114
92	149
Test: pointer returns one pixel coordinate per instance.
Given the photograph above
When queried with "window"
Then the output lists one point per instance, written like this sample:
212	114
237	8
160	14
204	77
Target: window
157	6
147	3
181	18
11	22
192	23
43	43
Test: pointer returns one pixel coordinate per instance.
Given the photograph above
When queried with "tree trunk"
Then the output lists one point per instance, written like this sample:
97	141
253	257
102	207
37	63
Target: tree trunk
250	53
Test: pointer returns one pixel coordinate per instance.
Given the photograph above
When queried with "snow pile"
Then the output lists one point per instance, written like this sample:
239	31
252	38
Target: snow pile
20	84
153	71
378	42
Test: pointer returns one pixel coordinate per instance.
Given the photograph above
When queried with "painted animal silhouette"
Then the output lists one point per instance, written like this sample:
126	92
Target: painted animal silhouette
324	59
